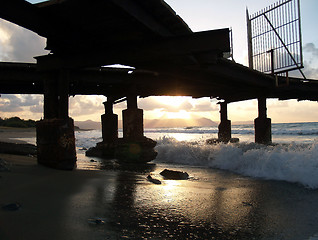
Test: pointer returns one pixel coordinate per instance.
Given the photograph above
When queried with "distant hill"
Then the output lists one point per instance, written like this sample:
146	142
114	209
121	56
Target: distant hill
159	123
17	122
88	124
155	123
242	122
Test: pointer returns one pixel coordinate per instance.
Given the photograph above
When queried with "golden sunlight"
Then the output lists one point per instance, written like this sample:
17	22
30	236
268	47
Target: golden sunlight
182	114
171	100
4	36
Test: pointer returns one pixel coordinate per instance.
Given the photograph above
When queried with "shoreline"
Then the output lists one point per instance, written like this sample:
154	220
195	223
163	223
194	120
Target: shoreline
15	135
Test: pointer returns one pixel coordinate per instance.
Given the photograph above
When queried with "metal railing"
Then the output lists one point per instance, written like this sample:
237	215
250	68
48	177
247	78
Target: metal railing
274	37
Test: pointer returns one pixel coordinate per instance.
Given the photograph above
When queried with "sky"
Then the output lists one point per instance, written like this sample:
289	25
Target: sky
21	45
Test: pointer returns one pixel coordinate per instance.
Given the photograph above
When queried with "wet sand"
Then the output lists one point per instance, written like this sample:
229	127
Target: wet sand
16	135
120	203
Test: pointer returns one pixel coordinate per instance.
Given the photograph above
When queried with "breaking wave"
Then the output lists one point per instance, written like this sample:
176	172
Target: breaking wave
296	163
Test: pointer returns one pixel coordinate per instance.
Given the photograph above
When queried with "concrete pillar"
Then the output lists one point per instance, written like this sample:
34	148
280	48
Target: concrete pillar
133	123
55	133
109	123
262	124
50	97
134	147
224	134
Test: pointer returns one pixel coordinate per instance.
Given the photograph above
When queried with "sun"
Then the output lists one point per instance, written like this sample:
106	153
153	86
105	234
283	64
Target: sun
182	114
171	100
176	104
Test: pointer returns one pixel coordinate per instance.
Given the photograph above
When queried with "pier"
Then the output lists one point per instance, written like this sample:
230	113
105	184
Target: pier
163	57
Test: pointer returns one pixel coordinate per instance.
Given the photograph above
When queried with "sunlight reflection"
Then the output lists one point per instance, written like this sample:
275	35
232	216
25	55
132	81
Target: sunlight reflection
182	137
169	190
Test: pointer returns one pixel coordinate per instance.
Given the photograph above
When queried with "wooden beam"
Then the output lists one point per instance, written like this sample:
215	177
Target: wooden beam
210	42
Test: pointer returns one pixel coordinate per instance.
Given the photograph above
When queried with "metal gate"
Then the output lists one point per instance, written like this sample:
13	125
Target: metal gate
274	38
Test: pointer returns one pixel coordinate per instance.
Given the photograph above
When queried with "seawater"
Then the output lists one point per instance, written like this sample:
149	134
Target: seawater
293	157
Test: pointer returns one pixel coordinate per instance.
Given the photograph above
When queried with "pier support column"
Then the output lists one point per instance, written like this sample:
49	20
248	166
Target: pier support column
55	133
106	148
133	123
134	147
262	124
109	123
224	134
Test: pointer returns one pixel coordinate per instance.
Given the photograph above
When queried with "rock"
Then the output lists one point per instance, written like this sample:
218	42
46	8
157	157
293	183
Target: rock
18	149
247	204
174	175
213	141
153	180
234	140
217	141
102	150
137	151
126	151
96	221
12	207
4	166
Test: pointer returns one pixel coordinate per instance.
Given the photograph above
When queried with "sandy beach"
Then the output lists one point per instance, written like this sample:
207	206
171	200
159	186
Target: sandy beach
120	203
16	135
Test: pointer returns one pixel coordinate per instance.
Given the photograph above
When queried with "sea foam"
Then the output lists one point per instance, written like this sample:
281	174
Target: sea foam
288	162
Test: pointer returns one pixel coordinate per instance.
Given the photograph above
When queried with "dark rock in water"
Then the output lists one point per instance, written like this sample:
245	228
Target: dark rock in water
102	150
4	166
174	175
126	151
213	141
96	221
216	141
18	149
137	151
12	207
247	204
153	180
234	140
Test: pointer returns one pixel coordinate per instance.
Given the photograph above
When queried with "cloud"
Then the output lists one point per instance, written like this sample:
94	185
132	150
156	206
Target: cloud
18	44
311	72
274	103
205	107
189	105
311	62
311	48
21	103
86	105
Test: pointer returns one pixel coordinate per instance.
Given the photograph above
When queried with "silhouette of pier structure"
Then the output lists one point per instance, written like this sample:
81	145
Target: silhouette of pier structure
164	57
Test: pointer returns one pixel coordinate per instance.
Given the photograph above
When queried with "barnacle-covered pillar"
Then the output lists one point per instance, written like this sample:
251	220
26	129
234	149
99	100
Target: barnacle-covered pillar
134	147
106	148
55	133
262	124
224	134
109	123
133	122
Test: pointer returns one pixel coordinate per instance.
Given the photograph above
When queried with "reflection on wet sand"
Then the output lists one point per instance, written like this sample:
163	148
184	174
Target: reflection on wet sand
211	205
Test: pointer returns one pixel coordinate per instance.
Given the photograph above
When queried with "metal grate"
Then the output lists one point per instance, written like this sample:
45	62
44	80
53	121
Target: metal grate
274	36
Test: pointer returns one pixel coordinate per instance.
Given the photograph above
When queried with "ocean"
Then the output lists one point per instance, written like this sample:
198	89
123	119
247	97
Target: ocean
293	156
